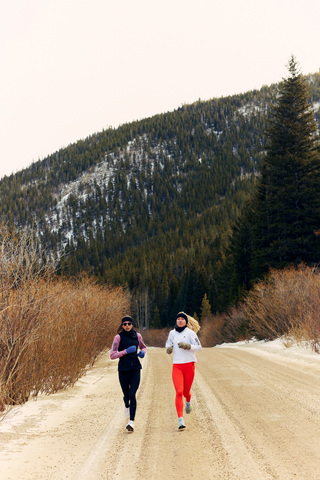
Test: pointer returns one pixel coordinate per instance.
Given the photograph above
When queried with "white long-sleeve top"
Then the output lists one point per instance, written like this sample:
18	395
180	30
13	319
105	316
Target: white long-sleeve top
179	354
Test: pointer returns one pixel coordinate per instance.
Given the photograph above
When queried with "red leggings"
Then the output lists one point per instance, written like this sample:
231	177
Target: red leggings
182	376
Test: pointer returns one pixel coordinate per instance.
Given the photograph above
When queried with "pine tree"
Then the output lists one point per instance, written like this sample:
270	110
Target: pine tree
205	308
287	205
156	323
239	254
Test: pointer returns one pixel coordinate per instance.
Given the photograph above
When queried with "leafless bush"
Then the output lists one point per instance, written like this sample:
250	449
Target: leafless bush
211	332
155	337
80	324
283	302
309	329
51	329
287	303
236	326
22	272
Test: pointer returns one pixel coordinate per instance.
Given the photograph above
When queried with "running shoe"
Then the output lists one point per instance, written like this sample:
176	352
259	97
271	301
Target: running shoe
130	426
181	423
188	407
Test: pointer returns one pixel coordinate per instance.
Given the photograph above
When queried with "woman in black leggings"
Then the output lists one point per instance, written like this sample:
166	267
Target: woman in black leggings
125	347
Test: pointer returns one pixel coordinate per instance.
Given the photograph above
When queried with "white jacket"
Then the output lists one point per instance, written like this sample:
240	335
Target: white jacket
179	354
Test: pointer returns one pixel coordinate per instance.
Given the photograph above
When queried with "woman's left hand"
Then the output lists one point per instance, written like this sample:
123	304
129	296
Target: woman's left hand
141	354
185	346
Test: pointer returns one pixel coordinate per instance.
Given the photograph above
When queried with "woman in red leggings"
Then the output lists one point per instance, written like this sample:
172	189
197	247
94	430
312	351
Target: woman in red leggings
184	342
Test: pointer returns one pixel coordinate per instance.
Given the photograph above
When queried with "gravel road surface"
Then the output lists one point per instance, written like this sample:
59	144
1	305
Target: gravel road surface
254	417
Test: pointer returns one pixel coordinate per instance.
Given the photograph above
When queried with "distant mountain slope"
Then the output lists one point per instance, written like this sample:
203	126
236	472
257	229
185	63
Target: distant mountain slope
126	202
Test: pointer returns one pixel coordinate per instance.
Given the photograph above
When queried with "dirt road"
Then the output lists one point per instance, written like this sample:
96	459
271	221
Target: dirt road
254	418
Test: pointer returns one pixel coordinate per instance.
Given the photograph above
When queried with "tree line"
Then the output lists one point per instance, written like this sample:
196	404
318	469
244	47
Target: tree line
162	206
280	224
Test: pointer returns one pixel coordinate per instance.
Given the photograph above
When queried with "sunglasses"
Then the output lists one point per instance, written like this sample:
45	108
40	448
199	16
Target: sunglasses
127	323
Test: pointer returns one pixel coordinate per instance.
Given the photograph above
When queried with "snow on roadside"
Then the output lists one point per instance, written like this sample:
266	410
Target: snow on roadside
284	347
63	400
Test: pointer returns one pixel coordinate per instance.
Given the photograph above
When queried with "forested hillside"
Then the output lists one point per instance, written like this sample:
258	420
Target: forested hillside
151	204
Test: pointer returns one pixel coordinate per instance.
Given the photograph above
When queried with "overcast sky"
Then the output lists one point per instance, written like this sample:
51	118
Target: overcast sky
70	68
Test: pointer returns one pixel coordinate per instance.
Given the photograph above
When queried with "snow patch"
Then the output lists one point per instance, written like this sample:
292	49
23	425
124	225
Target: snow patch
251	109
316	106
285	347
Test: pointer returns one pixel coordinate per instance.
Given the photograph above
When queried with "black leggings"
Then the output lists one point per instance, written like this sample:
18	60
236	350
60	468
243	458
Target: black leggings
129	382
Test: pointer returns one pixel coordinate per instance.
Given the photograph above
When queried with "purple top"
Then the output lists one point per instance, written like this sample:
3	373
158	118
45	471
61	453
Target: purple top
115	345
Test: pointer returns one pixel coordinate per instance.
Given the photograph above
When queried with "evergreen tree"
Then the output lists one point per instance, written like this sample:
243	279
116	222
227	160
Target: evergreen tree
205	308
286	209
156	322
237	267
195	316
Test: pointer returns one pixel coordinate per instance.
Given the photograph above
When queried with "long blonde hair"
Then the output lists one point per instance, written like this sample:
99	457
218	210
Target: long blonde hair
193	324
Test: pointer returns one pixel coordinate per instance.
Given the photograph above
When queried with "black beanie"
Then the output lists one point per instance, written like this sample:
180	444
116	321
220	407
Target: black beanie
183	315
127	318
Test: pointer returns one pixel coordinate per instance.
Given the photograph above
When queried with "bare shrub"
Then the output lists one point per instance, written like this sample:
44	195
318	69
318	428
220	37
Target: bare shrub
287	304
155	337
51	329
211	333
283	302
309	330
22	273
237	326
81	322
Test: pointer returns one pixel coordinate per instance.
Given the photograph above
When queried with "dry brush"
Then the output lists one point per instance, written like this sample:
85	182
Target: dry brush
51	329
286	303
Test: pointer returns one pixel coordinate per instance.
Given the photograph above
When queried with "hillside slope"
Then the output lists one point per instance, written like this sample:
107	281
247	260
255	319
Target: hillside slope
150	204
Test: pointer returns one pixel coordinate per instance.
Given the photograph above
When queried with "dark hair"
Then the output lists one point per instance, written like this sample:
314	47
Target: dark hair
119	329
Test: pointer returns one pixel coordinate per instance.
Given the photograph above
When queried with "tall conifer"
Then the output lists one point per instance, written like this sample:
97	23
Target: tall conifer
287	205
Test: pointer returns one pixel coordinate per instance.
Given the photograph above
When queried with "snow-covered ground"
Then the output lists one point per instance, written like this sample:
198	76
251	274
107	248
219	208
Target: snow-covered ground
284	347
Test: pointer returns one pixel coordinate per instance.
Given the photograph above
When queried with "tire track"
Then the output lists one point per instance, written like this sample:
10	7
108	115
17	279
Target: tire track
241	456
278	429
252	419
105	459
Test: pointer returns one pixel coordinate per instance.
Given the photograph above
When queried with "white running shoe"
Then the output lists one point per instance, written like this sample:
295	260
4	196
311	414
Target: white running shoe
130	426
181	423
188	407
127	412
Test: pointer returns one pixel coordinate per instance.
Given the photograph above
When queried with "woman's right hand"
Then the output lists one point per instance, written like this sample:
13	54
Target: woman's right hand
169	350
131	349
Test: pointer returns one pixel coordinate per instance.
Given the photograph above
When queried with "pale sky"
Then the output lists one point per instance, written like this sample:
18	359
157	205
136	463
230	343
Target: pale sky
70	68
